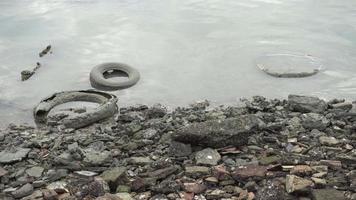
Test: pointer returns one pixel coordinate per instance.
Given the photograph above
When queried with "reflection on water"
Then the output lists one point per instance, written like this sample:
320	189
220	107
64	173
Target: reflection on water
184	50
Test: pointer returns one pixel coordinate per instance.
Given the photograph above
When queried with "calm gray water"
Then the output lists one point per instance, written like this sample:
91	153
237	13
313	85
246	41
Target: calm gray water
185	50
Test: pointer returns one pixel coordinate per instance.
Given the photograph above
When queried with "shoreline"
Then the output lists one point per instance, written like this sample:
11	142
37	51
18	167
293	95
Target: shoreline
264	149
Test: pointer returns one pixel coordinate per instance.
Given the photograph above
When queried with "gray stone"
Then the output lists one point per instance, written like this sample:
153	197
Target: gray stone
96	158
124	196
346	106
13	154
207	156
179	149
23	191
113	176
140	160
35	171
306	104
314	121
220	133
197	171
328	194
328	141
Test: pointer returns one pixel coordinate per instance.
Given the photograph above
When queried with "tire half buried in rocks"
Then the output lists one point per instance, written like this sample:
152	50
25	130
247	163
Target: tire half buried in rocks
99	81
106	109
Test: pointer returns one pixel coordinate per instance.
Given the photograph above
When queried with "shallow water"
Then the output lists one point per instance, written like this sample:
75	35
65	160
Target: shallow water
185	50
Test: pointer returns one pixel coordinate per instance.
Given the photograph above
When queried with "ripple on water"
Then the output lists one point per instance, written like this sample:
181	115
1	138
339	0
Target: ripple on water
289	65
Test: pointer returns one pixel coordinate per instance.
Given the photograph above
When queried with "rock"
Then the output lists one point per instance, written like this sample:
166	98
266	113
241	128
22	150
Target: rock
333	164
23	191
301	170
248	171
54	175
140	161
165	187
328	194
3	172
207	156
37	194
306	104
114	176
179	149
96	158
270	160
345	106
86	173
195	188
58	186
270	191
124	196
162	173
318	181
296	183
220	133
35	171
328	141
49	195
197	171
314	121
109	196
13	154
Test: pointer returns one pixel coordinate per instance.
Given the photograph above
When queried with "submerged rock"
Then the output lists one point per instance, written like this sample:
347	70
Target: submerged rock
220	133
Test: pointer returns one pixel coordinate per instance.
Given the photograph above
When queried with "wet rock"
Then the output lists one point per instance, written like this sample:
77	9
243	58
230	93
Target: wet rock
220	133
297	184
13	154
23	191
179	149
328	141
328	194
306	104
207	156
35	171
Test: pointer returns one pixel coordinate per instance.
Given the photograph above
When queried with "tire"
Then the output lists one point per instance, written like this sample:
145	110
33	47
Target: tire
98	81
107	108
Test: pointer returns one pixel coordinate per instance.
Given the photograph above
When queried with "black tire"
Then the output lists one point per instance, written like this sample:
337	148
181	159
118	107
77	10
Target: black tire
107	108
98	81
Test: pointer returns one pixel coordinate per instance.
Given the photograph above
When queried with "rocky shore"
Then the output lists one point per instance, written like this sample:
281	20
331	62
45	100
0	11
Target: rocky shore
301	148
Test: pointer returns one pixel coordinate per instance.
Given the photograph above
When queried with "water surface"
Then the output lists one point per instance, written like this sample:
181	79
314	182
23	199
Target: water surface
185	50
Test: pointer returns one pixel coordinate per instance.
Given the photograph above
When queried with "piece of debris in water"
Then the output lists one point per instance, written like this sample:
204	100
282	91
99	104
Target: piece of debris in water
45	51
26	74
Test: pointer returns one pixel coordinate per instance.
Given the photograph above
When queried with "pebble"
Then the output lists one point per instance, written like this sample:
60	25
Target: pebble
208	157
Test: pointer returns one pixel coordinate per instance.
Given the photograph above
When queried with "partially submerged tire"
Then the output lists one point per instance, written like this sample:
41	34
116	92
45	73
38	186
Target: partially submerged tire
98	80
107	107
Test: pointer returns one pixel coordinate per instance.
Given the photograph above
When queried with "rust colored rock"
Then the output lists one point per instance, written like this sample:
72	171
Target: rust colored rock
195	188
220	172
245	172
333	164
